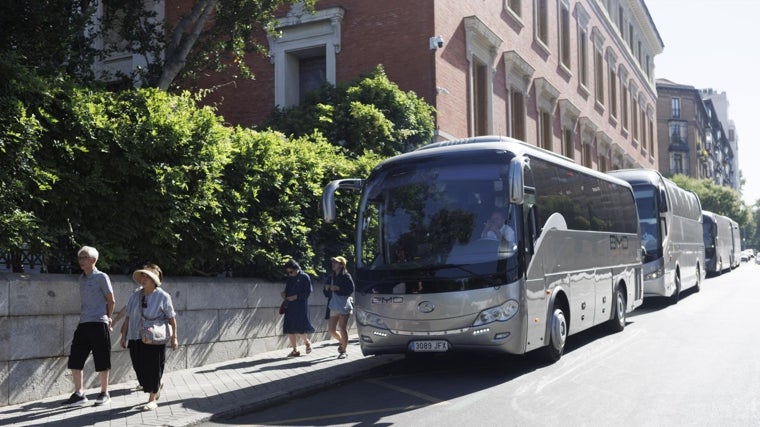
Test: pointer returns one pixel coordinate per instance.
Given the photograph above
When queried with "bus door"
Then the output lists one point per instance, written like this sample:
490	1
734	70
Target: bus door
534	280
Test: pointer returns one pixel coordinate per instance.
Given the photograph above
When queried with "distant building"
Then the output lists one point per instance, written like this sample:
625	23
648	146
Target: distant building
573	76
692	137
720	103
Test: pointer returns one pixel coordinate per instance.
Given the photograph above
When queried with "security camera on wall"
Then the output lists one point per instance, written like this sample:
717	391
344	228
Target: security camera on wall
436	42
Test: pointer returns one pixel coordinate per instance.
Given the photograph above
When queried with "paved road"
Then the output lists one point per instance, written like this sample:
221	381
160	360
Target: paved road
696	363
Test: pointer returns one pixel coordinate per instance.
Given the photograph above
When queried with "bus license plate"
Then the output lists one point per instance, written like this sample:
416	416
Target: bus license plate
429	346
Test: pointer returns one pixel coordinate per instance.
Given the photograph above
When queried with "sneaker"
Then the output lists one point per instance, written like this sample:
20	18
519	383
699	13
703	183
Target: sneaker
342	356
75	400
150	406
138	387
102	399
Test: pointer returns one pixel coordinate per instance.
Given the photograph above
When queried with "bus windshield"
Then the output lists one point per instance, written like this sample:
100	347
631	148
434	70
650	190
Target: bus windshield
433	226
646	205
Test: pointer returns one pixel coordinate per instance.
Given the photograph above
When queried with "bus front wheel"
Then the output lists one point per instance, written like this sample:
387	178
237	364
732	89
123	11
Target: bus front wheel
557	336
677	291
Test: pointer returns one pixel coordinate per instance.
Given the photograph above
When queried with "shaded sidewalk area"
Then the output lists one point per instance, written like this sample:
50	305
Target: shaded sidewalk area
195	395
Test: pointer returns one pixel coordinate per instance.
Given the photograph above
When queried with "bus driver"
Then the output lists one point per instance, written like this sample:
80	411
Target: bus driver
496	228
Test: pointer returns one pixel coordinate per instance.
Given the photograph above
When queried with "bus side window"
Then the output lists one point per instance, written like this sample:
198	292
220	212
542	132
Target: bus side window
663	227
532	230
663	201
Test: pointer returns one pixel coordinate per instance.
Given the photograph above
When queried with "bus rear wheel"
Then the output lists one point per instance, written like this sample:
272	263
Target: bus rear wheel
557	336
617	323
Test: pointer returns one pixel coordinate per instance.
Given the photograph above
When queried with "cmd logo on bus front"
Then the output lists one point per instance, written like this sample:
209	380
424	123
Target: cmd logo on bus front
387	300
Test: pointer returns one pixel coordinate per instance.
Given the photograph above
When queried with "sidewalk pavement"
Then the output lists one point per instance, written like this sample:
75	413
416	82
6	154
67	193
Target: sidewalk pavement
192	396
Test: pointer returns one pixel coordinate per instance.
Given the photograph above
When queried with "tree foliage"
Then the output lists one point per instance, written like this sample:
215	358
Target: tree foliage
26	101
69	36
209	35
50	36
369	114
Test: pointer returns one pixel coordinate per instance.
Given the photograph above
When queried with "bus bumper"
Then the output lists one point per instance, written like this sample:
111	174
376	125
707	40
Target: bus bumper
497	337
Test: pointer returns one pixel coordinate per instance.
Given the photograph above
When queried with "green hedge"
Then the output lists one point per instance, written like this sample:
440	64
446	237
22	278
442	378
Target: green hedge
147	176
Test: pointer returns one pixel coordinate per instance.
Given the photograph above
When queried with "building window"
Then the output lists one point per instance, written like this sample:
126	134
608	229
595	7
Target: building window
583	57
482	44
586	155
480	89
517	115
651	133
677	132
635	119
545	130
613	92
624	105
515	6
599	76
568	145
581	21
679	164
304	56
621	22
602	163
643	129
564	34
311	74
542	21
648	70
675	108
630	38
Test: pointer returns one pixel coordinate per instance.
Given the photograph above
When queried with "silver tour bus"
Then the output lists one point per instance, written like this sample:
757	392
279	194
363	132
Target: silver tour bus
736	240
490	244
671	233
719	245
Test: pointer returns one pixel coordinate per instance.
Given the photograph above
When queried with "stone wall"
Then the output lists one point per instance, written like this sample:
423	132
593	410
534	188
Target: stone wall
218	319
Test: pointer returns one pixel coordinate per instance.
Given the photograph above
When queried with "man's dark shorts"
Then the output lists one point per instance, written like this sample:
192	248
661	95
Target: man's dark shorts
91	337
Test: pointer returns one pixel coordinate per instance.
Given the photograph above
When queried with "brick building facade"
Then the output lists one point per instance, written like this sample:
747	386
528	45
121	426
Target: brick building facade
573	76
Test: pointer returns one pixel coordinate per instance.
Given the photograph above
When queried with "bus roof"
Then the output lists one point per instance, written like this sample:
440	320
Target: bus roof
639	176
496	143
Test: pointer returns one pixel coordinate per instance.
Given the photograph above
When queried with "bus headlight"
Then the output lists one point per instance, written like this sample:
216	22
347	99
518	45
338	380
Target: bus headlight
654	274
370	319
501	313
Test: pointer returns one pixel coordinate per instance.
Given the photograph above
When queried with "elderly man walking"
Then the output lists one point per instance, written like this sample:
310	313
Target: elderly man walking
93	331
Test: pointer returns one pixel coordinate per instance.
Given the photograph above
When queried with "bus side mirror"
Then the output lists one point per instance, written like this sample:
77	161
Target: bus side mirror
328	195
516	182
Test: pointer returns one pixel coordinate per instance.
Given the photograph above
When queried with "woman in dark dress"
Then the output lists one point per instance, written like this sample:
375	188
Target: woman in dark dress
296	322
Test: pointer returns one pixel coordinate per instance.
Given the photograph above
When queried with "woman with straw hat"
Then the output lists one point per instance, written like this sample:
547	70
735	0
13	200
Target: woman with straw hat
153	303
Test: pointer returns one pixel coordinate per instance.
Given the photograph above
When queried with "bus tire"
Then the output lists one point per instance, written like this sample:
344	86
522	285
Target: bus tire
552	352
677	292
617	323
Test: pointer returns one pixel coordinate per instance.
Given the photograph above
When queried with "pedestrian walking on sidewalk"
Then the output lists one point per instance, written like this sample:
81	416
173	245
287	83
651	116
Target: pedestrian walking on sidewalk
152	303
93	333
340	304
296	321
